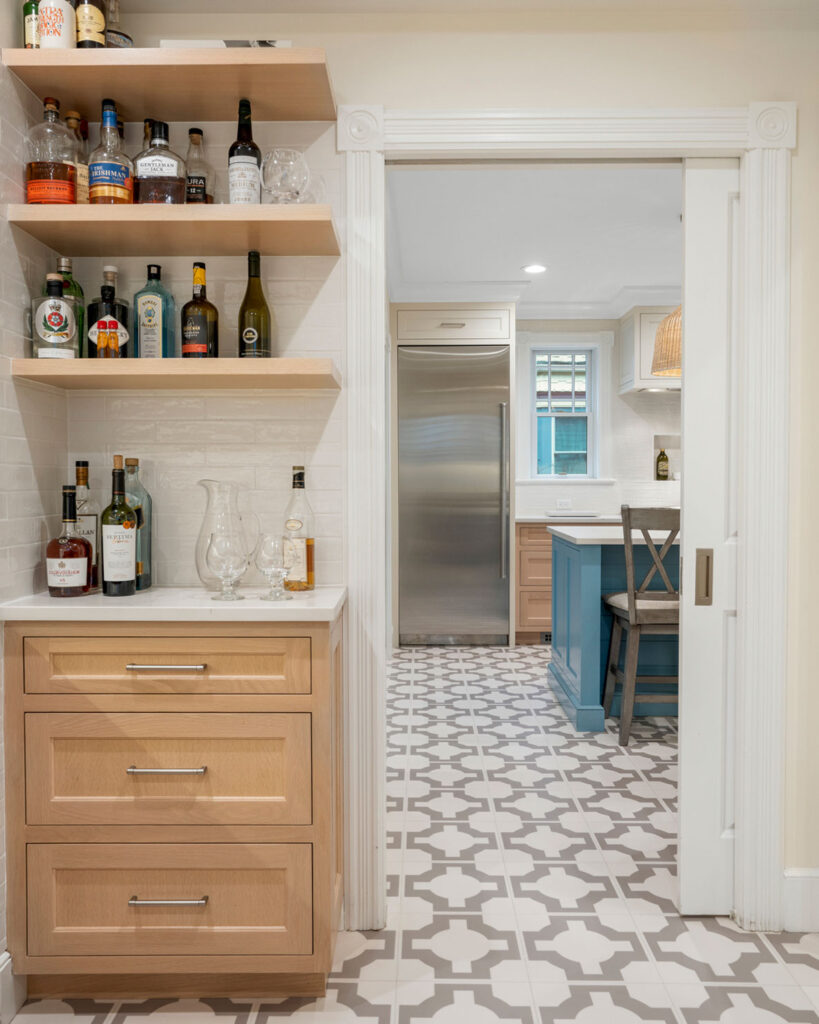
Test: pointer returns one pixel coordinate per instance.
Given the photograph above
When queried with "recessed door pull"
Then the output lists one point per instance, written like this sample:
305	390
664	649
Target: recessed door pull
165	668
135	901
704	576
452	324
133	770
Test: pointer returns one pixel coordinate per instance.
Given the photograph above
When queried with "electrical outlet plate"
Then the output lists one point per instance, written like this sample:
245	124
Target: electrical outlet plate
563	504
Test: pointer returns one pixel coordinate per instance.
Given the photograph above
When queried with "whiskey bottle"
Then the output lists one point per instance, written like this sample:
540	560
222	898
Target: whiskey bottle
68	557
244	161
114	35
200	321
31	37
154	319
90	16
73	121
108	315
51	170
140	501
56	25
159	174
88	519
54	323
110	171
119	533
299	542
662	465
256	324
199	172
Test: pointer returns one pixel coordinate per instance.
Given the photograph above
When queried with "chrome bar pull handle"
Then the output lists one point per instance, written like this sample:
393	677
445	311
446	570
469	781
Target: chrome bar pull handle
133	770
135	901
165	668
452	323
704	576
504	531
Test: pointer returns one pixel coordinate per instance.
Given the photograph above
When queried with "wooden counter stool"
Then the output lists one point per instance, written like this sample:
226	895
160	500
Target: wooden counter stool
639	611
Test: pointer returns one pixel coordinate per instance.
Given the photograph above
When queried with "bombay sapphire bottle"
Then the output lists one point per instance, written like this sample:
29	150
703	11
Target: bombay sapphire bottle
154	319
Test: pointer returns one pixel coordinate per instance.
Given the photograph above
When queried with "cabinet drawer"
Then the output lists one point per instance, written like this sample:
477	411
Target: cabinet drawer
74	664
534	609
535	567
257	769
80	899
529	535
453	324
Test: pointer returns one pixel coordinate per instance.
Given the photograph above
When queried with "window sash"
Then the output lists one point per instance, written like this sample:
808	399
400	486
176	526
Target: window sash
586	411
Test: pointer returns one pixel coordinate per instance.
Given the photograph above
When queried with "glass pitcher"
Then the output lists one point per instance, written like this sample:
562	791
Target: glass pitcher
222	516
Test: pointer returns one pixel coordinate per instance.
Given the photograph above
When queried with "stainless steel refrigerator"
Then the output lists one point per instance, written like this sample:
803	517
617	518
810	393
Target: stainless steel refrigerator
453	494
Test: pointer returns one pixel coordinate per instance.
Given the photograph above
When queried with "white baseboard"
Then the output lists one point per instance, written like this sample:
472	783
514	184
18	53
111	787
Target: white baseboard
801	900
12	990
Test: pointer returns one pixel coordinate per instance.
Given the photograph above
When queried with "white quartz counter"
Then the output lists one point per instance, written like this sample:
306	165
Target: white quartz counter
569	518
602	534
178	604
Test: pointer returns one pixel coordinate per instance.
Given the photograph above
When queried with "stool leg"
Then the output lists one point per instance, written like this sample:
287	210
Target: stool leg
629	683
612	663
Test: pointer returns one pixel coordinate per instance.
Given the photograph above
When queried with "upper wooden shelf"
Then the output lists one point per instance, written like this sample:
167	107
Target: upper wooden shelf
158	230
182	85
179	374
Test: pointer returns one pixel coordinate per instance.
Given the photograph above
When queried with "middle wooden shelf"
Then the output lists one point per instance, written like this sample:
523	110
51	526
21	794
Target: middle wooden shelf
156	230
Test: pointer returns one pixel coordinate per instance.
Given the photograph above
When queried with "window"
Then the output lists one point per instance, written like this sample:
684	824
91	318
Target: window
563	413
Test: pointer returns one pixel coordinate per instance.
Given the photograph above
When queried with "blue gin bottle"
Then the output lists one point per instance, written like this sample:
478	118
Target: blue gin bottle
154	319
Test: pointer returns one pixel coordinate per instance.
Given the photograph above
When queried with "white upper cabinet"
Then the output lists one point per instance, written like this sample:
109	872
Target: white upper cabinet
454	323
635	339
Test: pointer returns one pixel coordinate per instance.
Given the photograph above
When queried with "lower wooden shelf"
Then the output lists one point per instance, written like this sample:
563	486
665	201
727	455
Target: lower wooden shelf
179	374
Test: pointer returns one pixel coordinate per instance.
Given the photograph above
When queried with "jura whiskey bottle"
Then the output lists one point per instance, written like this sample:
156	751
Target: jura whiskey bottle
200	321
68	557
199	187
119	539
299	542
256	324
244	161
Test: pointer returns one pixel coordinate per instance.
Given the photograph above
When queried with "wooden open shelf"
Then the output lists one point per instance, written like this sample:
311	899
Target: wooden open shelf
179	374
182	85
158	230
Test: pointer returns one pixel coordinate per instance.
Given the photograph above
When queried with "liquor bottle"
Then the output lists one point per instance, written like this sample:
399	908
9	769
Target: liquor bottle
200	174
54	323
662	465
140	501
73	120
114	36
71	286
88	519
56	25
200	321
154	319
51	171
299	541
110	171
120	128
244	161
108	315
31	37
68	557
147	129
256	324
90	24
119	533
159	174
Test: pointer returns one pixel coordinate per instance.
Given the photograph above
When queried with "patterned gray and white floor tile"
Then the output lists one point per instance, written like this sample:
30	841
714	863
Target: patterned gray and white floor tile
531	879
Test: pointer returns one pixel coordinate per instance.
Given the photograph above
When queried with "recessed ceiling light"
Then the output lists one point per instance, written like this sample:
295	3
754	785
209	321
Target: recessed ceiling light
534	268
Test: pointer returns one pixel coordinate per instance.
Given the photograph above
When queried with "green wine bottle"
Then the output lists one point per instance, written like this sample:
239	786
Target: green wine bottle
257	325
119	539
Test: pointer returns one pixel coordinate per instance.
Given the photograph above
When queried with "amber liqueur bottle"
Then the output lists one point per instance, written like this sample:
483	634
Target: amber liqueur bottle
51	169
200	321
69	557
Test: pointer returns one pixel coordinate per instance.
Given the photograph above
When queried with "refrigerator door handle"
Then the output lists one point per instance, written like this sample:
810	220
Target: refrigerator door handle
504	495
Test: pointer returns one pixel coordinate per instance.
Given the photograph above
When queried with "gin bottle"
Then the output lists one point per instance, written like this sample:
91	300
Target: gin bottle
71	287
54	323
154	319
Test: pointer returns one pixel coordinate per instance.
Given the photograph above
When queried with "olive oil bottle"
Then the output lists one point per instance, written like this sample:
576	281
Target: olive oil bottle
662	465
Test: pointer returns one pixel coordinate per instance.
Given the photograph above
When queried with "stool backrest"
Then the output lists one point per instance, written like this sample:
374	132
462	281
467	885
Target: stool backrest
647	520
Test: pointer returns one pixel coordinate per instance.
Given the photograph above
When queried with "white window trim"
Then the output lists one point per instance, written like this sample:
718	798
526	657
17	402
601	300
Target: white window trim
591	412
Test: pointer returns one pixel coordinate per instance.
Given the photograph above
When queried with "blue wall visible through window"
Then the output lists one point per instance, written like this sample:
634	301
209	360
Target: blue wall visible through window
562	411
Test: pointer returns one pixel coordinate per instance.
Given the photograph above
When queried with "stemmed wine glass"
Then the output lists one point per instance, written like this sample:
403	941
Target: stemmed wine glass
285	175
227	559
270	562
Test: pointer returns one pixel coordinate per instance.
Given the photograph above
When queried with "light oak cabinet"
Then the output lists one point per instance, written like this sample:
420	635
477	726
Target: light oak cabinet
635	340
173	829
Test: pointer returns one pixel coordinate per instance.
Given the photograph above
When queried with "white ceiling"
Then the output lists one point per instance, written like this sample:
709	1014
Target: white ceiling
610	235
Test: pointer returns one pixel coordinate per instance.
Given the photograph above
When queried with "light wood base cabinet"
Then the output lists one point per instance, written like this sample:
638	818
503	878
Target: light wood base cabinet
173	830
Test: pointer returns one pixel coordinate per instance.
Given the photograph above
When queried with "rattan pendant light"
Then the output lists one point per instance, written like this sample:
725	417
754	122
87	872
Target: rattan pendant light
667	361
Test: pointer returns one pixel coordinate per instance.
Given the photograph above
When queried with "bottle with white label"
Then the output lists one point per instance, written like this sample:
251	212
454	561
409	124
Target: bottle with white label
299	540
119	539
88	519
244	161
54	323
56	25
68	557
141	502
154	319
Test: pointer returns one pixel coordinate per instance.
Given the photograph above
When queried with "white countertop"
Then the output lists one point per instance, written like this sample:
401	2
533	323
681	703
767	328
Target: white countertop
569	518
178	604
602	534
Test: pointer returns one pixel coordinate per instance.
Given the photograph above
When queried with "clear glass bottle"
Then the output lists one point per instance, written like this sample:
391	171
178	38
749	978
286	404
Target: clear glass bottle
54	323
114	35
71	286
88	518
56	25
140	501
147	129
200	321
51	170
73	120
199	172
68	557
119	533
154	319
299	538
159	173
257	325
108	315
110	170
244	161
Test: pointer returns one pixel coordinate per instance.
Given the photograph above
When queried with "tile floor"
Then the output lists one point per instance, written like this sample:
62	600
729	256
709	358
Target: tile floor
531	879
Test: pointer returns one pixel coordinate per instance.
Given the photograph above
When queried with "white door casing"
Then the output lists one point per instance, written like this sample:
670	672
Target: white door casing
762	135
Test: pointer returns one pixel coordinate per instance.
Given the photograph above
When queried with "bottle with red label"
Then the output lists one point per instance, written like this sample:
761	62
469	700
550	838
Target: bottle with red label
200	321
110	170
68	557
108	317
51	170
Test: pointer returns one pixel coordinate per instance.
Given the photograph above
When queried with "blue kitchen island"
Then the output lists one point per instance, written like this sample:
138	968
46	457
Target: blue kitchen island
588	562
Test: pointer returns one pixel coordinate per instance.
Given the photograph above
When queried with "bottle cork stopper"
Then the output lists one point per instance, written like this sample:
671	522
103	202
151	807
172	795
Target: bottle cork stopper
117	462
132	462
